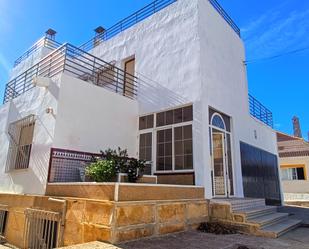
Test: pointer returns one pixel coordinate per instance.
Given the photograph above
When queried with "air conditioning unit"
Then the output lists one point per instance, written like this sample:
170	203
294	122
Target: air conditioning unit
40	81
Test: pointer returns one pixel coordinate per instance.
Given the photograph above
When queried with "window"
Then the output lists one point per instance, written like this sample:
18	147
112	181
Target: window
145	151
21	136
174	149
290	174
164	149
3	218
146	122
129	68
183	147
176	116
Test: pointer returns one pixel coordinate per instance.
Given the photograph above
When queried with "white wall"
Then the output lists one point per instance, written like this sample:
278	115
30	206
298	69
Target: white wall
35	101
91	118
192	55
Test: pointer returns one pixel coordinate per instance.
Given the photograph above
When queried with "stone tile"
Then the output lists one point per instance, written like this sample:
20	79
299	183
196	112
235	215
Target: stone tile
134	215
96	233
171	212
134	233
73	233
98	213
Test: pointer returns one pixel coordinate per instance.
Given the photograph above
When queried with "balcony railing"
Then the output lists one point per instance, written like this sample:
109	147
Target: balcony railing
77	63
260	112
127	22
225	16
43	42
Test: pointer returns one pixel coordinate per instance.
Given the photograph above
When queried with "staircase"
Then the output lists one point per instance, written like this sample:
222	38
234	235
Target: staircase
265	219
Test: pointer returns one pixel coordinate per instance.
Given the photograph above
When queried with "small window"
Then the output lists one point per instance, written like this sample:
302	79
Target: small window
146	122
217	121
3	218
290	174
21	136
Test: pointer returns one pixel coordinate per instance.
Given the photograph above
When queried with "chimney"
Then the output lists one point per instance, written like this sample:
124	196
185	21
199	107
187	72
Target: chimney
99	32
296	127
51	34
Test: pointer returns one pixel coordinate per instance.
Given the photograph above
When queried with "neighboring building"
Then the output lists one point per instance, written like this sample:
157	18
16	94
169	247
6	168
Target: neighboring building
294	165
171	88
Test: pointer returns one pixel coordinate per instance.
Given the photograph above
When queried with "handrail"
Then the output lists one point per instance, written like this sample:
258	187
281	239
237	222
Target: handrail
260	112
225	16
43	42
127	22
78	63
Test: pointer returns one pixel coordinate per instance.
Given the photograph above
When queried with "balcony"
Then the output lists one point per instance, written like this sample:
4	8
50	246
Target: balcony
260	112
77	63
44	42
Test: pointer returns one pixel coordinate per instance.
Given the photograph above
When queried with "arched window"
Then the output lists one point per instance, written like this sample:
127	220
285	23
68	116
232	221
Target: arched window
218	121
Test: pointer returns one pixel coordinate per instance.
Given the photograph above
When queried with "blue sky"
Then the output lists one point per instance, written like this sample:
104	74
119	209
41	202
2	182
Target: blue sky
269	27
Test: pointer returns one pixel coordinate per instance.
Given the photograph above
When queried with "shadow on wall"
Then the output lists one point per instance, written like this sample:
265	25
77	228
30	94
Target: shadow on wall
154	96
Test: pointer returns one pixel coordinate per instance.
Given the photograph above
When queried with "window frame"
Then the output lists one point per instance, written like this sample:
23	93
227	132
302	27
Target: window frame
154	140
293	167
173	148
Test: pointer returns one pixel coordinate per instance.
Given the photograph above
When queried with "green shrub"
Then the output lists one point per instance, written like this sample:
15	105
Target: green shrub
111	162
102	171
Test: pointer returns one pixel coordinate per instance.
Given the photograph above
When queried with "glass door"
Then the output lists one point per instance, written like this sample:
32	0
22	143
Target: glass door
219	165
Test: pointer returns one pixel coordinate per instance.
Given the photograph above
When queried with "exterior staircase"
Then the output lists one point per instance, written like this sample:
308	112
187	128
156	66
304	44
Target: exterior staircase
269	222
253	216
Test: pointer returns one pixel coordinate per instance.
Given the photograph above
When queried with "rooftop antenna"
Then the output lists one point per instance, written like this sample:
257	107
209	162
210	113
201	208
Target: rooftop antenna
51	34
99	31
296	127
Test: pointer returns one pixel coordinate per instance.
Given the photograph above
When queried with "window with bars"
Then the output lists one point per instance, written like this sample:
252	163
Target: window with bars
3	218
21	137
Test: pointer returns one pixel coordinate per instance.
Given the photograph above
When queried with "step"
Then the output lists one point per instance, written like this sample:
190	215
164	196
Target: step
246	204
277	229
259	211
268	219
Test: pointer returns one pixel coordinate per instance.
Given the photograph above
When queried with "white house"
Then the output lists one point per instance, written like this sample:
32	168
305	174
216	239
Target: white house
168	83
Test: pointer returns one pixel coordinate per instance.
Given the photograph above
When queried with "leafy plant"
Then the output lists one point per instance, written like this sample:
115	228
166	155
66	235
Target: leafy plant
111	162
102	170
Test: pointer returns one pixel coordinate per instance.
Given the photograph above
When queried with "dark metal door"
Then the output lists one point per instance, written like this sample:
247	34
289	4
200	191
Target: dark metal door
260	174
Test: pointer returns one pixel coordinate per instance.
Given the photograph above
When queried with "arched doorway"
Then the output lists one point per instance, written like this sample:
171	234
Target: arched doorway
221	151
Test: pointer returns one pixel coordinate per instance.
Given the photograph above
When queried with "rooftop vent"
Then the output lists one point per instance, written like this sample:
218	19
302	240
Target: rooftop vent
51	34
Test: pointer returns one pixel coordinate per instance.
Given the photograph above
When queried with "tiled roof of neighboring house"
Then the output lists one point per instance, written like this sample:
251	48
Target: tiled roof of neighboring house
290	146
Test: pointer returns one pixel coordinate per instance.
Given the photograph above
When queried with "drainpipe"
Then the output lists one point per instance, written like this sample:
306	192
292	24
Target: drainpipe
64	210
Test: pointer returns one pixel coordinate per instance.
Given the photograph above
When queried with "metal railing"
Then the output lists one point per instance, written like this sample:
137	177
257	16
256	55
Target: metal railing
77	63
42	229
69	165
43	42
225	16
127	22
259	111
3	219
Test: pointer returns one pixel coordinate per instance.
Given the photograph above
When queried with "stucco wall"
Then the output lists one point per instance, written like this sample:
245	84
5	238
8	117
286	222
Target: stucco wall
35	101
296	186
192	55
91	118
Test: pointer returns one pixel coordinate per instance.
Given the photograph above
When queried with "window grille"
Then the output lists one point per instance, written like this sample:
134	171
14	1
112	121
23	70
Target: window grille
21	136
41	229
3	219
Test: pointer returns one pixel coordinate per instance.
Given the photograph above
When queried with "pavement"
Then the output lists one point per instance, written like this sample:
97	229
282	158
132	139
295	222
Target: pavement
296	212
296	239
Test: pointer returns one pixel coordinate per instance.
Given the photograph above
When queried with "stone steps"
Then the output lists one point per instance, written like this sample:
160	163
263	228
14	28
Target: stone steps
266	220
259	211
280	228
